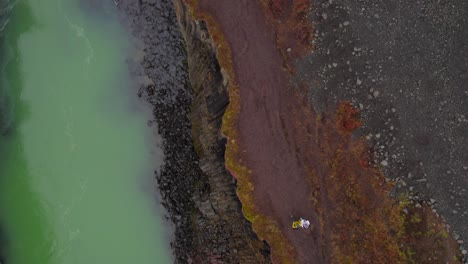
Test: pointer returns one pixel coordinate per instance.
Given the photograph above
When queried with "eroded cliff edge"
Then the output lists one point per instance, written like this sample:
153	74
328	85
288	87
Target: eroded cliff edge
230	237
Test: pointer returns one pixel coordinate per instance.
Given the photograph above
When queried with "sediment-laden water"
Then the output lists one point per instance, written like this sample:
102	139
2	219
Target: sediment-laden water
76	153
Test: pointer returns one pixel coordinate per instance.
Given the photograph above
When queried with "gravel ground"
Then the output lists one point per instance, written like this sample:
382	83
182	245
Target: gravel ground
405	64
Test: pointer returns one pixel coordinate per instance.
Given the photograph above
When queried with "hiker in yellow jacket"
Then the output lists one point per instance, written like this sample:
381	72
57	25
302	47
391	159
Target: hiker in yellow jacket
301	223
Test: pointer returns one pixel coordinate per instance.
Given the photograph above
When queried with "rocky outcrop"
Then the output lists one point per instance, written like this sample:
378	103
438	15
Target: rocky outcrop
183	82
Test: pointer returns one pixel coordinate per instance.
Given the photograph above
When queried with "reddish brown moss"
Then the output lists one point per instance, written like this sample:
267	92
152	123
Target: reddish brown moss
347	117
366	224
361	229
292	26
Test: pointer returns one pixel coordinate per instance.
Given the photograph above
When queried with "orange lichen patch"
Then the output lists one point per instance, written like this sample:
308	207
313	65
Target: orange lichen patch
347	117
277	7
265	228
293	27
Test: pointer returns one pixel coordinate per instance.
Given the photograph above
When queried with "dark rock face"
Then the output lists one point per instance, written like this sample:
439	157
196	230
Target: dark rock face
405	65
196	189
219	207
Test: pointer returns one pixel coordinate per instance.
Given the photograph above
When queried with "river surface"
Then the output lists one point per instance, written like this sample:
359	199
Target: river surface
77	153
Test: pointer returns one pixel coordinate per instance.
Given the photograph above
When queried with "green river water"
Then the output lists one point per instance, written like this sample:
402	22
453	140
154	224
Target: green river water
76	182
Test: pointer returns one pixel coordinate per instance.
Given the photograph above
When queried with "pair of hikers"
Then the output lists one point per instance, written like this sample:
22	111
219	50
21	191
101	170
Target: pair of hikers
301	223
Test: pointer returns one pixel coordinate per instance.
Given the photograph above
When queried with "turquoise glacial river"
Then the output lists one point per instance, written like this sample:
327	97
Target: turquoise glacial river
76	152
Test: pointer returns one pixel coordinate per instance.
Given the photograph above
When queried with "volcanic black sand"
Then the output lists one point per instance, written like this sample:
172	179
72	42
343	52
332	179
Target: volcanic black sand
405	64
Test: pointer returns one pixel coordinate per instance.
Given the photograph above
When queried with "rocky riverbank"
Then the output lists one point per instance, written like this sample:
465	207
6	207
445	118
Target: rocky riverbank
184	83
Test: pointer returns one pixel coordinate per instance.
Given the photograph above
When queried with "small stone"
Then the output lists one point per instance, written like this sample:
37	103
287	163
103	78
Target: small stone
288	50
324	16
464	252
377	136
358	81
376	93
432	201
393	110
346	23
384	163
392	127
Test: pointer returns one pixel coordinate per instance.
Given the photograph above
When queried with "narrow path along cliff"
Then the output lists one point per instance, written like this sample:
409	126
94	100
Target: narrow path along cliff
279	178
